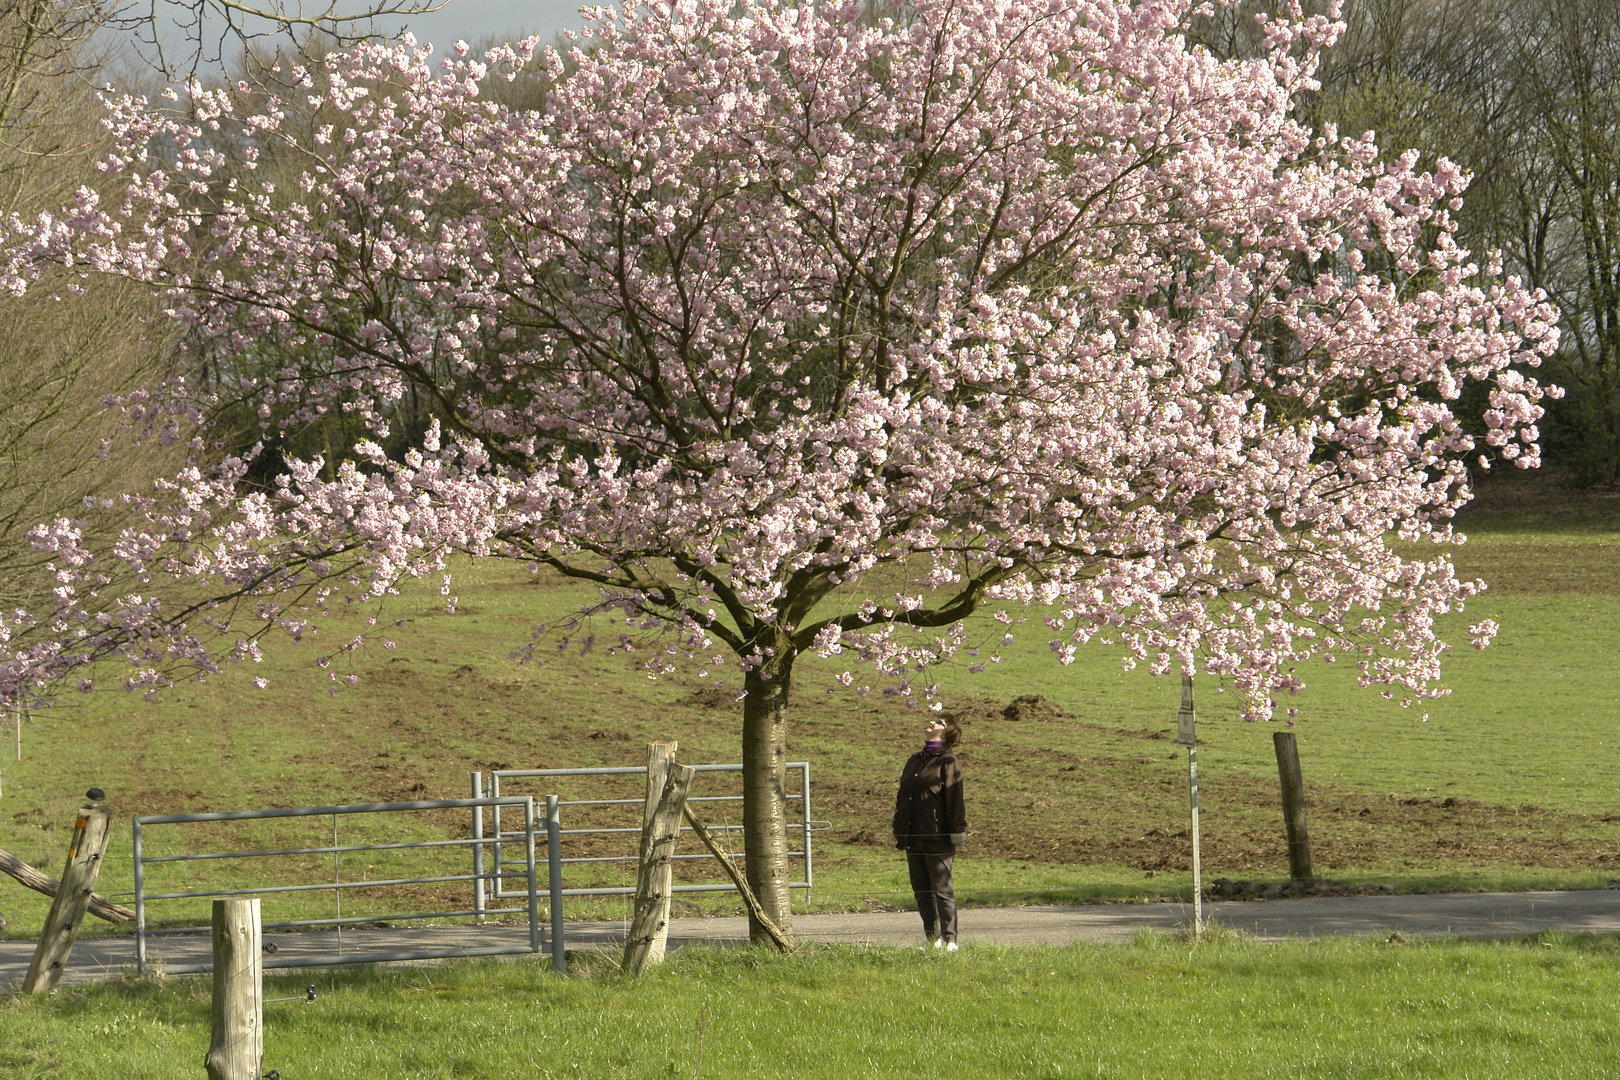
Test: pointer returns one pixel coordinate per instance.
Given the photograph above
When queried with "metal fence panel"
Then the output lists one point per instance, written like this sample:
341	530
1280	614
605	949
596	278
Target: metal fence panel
477	878
805	826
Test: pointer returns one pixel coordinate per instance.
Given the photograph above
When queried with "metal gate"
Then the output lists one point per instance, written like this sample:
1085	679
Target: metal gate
525	836
803	826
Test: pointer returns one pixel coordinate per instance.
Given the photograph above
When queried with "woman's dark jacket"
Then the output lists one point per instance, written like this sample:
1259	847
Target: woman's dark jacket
928	808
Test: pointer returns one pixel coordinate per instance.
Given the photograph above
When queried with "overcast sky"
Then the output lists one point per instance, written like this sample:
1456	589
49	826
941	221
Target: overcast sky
474	20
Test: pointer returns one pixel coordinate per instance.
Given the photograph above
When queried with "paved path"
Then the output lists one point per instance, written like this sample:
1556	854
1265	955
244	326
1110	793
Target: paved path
1471	915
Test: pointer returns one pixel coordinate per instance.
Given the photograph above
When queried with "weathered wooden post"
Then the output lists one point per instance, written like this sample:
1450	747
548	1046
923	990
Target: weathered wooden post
73	895
26	875
1293	798
649	928
237	1049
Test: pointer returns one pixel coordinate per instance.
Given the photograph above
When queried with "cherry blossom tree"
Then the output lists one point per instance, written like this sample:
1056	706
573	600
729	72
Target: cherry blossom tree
799	329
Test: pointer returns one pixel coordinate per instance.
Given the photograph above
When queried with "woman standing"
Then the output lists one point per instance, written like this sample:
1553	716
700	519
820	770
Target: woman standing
929	823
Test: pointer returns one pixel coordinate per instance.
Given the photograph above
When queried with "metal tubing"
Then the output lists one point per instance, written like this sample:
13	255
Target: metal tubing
804	776
559	951
324	886
478	845
323	811
140	906
806	826
478	877
312	850
528	845
347	920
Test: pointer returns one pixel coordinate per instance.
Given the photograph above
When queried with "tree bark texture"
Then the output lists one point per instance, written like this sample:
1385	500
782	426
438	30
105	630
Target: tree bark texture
1293	799
72	898
648	929
764	800
237	1049
40	882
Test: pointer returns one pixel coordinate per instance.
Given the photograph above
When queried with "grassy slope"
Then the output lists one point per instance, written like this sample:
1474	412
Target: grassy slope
1088	805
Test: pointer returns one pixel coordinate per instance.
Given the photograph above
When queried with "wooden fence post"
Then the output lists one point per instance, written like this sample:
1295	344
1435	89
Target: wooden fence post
237	1049
26	875
73	895
1293	797
649	927
660	756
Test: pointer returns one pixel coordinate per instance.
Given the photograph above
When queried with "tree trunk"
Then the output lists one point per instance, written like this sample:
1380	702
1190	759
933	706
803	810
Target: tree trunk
764	798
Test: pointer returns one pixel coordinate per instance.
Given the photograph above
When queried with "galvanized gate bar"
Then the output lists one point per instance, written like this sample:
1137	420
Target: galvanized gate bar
805	826
478	877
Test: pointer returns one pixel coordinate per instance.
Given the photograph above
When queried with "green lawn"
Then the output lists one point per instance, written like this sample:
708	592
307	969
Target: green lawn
1161	1007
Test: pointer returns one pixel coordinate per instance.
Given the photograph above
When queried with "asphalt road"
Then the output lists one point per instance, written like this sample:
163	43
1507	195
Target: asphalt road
1467	915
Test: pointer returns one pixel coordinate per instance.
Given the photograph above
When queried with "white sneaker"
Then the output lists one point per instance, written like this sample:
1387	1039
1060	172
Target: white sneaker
939	943
950	946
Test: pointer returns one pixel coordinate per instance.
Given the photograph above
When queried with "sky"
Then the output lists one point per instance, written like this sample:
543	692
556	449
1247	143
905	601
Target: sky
473	20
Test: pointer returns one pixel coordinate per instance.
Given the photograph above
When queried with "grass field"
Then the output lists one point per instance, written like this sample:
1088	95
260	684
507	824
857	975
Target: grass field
1160	1007
1508	784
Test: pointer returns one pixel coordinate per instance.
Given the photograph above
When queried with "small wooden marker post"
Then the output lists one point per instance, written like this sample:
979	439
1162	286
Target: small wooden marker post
661	826
72	897
1187	735
237	1049
1293	797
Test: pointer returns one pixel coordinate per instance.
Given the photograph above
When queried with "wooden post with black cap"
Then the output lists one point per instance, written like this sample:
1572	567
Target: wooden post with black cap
72	897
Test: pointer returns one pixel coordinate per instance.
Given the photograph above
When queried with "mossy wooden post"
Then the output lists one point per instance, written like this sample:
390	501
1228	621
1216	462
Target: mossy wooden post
1293	797
237	1049
72	896
649	928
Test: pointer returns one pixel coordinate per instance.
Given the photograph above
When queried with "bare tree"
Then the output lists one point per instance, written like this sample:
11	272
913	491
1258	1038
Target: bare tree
61	360
1571	58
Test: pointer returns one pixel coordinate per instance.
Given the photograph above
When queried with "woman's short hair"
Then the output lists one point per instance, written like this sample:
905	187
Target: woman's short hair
953	730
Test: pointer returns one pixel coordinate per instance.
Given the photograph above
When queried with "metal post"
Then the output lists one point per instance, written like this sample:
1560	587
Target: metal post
1198	882
530	816
1187	735
337	889
478	847
495	848
809	881
559	953
140	906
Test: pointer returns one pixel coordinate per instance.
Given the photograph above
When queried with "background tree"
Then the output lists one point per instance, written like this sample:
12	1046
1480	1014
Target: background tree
795	329
1570	234
59	359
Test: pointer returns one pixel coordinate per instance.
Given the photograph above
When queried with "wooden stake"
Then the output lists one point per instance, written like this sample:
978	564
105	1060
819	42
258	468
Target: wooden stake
72	897
660	756
777	937
1293	797
237	1049
650	925
40	882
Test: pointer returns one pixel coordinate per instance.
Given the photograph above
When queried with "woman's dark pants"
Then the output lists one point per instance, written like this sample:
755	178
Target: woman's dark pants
931	881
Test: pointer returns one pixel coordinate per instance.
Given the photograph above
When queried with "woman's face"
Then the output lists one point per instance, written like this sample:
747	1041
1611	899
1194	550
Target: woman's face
935	731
